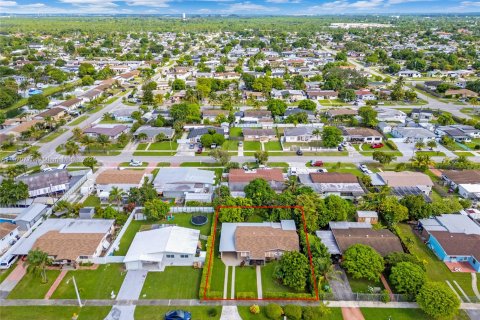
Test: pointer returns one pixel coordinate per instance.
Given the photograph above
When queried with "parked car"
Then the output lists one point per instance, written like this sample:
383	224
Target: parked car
135	163
299	152
340	148
377	145
240	144
363	168
322	170
199	150
178	315
47	169
317	163
191	146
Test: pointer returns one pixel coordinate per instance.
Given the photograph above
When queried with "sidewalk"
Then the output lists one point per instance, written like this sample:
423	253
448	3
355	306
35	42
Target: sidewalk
12	280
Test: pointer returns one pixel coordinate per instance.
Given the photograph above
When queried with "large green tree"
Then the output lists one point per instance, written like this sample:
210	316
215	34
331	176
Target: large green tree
260	192
363	262
331	136
156	209
438	301
407	278
12	192
293	270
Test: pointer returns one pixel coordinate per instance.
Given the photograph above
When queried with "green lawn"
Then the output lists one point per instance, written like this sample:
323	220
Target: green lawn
52	136
154	154
246	280
180	219
473	143
173	283
436	269
401	314
158	312
464	153
431	153
235	132
230	145
78	120
343	167
92	284
269	284
53	313
217	278
252	145
164	145
31	286
273	146
92	201
361	285
127	164
277	164
200	164
4	273
142	146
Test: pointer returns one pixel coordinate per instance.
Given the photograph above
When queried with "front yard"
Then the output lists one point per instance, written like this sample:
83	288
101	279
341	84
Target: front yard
173	283
252	146
246	280
273	146
53	312
158	312
31	286
269	283
92	284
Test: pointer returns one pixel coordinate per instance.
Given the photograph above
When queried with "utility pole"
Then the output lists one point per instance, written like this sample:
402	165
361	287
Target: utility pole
76	291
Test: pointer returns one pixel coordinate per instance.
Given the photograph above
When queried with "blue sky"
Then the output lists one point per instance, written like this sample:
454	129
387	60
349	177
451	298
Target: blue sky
271	7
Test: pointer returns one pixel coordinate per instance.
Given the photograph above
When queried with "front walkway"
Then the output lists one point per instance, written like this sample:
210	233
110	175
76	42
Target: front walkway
352	314
259	282
474	285
12	280
130	291
56	283
230	313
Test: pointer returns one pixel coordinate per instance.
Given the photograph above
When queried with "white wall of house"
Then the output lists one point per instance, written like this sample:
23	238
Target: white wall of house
5	241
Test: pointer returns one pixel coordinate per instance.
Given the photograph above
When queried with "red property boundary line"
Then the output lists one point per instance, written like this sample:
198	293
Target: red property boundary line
217	211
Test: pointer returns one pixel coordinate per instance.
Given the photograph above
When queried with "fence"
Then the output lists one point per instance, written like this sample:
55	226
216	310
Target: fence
108	259
120	235
191	209
364	297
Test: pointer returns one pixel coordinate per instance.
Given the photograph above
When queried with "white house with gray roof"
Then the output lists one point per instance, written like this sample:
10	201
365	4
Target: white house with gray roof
153	132
301	134
178	182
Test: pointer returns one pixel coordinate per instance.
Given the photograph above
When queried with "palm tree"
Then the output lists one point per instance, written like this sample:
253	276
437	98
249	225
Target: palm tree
35	155
419	145
292	184
422	161
71	148
474	102
103	141
432	144
37	261
116	194
77	133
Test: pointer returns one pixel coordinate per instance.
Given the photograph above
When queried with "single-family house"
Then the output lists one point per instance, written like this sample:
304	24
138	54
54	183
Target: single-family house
257	243
422	115
413	134
195	134
404	180
259	134
454	238
409	74
122	179
212	114
56	114
69	241
293	111
391	115
454	178
8	235
366	216
345	185
153	133
238	179
361	135
112	131
71	104
470	191
461	93
46	183
182	183
365	95
256	116
160	247
334	113
321	94
302	134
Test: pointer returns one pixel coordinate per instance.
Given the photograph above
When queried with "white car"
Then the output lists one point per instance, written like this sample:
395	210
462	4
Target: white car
364	168
135	163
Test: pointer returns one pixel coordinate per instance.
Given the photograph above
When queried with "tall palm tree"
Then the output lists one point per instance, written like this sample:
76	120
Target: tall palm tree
71	148
116	194
103	141
77	133
422	161
35	155
292	184
37	261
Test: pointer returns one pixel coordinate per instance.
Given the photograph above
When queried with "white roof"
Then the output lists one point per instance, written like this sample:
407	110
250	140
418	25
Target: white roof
470	187
30	213
367	214
454	223
152	244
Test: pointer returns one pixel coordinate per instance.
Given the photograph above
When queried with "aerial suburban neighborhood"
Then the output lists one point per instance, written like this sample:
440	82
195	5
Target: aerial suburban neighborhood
239	167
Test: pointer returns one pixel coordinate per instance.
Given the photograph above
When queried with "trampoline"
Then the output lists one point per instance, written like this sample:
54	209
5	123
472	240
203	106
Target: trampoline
199	220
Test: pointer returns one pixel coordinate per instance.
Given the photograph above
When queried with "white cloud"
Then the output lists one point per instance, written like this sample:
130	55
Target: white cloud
7	3
148	3
283	1
470	3
248	7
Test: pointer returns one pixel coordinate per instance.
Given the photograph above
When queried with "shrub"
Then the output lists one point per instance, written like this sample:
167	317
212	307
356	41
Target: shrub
315	313
245	295
391	144
385	296
438	301
254	309
293	312
212	312
273	311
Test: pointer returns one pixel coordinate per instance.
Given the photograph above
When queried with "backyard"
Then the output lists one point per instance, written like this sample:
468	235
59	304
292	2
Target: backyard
92	284
173	283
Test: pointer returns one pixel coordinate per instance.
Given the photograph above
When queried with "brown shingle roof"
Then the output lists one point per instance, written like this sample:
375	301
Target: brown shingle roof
463	176
51	112
363	132
214	112
405	179
342	112
113	176
383	241
68	246
26	125
240	175
458	244
333	177
258	132
6	228
258	240
70	102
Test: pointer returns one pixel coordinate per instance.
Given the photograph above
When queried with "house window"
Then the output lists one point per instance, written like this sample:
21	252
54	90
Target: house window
184	256
170	256
244	254
83	257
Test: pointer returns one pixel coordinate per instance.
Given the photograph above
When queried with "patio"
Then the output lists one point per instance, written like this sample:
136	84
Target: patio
460	267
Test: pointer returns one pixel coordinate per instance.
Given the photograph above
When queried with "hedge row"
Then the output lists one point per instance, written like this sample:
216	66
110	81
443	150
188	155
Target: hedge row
203	283
391	144
288	295
246	295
